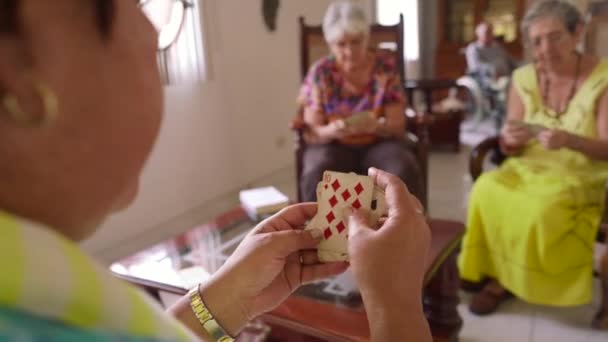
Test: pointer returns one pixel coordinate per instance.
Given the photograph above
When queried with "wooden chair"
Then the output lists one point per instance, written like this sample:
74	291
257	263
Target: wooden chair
314	47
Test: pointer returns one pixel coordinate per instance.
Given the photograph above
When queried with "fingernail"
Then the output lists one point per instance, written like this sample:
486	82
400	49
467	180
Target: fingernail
316	233
371	170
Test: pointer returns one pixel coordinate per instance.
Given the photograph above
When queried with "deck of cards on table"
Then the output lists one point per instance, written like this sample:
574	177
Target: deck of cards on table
336	192
262	202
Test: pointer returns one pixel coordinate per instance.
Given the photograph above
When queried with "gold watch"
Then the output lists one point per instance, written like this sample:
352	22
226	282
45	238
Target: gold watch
206	319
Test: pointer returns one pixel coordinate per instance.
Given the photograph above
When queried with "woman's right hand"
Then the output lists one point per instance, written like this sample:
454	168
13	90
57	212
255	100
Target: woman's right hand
389	263
338	129
515	134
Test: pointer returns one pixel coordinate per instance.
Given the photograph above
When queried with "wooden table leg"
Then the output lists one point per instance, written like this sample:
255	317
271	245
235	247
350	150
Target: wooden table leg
441	301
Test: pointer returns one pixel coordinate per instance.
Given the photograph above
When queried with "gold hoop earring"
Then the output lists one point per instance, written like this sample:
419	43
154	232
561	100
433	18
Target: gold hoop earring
50	105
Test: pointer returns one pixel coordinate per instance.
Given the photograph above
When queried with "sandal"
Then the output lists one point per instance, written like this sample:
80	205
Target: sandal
600	321
488	300
473	286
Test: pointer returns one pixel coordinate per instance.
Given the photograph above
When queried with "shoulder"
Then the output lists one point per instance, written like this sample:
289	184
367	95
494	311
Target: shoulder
321	68
524	73
22	326
597	71
599	65
524	80
385	60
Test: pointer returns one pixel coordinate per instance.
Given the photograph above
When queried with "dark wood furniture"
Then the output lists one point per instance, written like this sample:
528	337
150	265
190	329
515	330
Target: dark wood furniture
490	148
310	319
456	25
597	28
310	314
443	128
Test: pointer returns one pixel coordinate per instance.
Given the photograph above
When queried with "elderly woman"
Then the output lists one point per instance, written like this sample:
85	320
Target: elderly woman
533	221
75	130
353	103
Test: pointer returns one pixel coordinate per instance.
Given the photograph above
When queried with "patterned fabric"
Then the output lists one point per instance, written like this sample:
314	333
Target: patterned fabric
50	289
532	222
324	91
18	326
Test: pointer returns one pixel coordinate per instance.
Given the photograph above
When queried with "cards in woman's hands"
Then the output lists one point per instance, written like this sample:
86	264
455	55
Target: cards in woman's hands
357	118
534	129
336	192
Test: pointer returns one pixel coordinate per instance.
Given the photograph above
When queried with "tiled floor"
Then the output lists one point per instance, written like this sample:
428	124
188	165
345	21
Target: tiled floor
516	321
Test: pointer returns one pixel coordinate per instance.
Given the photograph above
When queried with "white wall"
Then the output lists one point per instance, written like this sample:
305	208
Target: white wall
218	137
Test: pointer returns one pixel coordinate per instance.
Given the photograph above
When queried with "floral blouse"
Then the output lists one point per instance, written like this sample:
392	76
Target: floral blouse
323	91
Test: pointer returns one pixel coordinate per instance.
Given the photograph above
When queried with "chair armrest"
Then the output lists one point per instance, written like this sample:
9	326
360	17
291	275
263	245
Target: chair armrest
298	126
417	138
479	154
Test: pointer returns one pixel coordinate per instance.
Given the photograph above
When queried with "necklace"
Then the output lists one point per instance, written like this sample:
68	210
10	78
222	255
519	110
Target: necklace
547	83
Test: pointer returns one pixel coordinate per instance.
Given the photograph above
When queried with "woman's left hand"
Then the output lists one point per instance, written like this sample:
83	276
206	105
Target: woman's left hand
553	139
273	260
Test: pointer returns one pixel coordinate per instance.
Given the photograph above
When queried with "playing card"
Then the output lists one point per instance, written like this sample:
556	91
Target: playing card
336	192
533	128
379	208
357	118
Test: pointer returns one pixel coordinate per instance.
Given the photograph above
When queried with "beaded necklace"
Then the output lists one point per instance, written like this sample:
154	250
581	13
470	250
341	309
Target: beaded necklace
547	85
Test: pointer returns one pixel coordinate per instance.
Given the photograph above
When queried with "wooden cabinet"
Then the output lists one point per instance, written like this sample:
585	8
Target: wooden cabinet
457	20
596	42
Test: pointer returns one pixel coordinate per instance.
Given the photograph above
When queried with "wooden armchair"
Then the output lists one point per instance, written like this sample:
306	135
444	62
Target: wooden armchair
313	47
479	157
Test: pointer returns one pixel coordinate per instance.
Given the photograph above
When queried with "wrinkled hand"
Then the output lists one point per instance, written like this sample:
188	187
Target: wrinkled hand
273	260
516	135
553	139
339	129
389	263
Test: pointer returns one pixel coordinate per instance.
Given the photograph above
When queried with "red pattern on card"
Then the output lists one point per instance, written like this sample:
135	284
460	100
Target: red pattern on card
330	217
333	201
340	227
327	233
346	195
335	185
356	204
359	188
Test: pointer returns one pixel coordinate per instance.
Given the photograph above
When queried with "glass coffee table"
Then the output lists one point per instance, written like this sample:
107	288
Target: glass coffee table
329	310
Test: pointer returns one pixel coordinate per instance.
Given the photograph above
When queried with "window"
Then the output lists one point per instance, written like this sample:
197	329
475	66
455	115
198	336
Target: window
501	13
181	57
388	14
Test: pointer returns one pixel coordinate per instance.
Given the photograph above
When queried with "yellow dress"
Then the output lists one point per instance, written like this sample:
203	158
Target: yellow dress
532	222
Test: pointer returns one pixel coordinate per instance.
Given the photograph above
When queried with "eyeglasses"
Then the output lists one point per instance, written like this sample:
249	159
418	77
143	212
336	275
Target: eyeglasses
553	38
168	16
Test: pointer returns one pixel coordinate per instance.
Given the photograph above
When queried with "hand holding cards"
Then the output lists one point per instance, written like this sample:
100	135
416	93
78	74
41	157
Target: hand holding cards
358	118
533	129
336	193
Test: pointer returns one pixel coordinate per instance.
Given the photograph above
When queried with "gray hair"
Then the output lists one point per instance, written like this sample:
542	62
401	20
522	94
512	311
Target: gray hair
344	17
563	10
